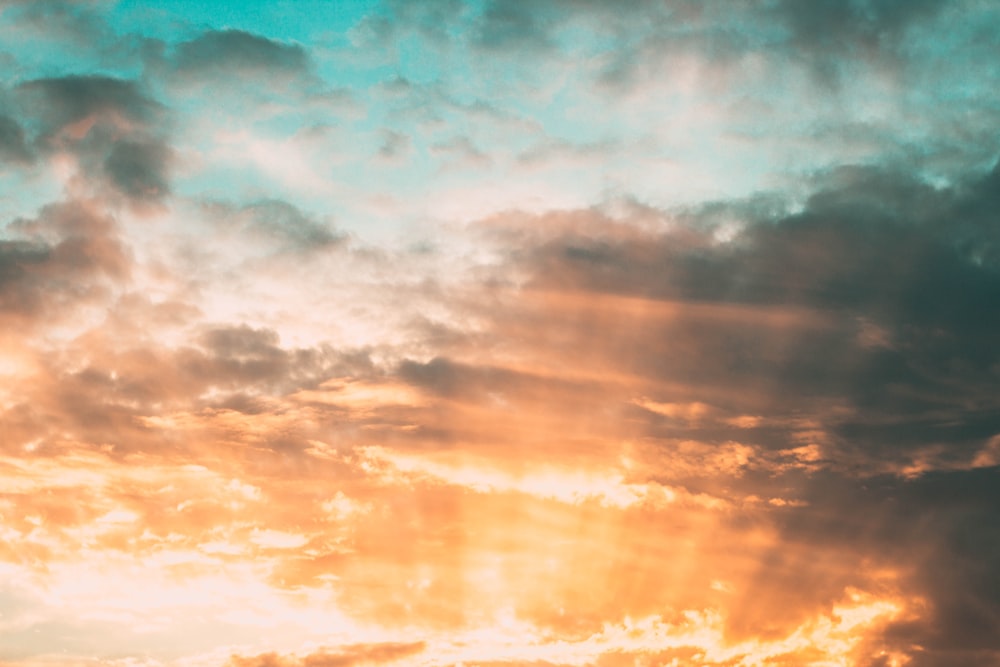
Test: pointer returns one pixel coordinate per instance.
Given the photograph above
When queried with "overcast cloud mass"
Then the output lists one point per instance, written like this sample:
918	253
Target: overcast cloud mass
487	332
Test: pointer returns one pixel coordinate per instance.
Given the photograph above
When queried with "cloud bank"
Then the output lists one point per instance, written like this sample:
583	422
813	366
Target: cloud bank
499	333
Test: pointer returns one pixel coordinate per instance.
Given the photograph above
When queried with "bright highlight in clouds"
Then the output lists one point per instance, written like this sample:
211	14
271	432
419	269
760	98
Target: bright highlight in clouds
499	333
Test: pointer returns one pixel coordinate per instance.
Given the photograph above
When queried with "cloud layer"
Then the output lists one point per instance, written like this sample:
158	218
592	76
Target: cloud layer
499	333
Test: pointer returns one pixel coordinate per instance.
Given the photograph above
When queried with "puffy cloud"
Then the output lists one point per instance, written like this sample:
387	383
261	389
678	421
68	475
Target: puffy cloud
69	255
114	130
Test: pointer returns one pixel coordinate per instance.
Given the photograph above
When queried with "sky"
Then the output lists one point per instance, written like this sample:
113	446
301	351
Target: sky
344	333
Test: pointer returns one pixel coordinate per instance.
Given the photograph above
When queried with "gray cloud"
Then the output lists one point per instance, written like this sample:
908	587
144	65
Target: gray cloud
53	103
828	36
139	169
13	146
115	129
832	26
126	380
276	220
514	25
431	19
892	278
939	530
239	355
16	258
225	52
66	256
75	21
863	323
238	362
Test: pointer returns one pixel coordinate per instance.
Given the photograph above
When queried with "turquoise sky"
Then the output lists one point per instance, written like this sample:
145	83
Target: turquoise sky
303	21
525	107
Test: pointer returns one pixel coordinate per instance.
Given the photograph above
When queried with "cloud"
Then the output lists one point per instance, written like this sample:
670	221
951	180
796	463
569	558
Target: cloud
826	35
344	656
69	255
512	25
139	169
282	220
115	131
635	426
770	306
13	147
429	18
222	53
874	27
56	103
855	324
78	22
642	353
933	530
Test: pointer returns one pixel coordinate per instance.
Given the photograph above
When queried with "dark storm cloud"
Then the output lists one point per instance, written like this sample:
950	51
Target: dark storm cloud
860	328
938	530
227	51
879	297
